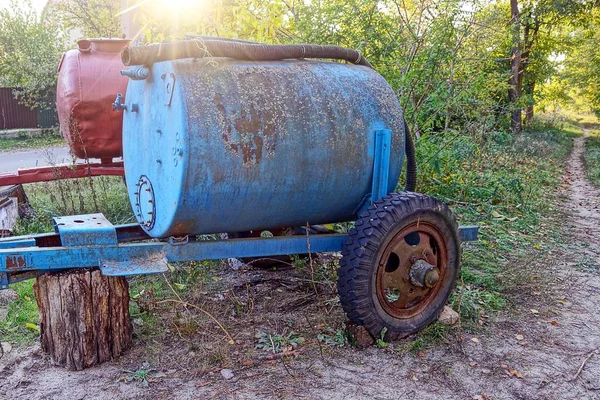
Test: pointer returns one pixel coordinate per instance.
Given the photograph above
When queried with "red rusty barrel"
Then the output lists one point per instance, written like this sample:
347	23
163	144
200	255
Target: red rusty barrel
89	79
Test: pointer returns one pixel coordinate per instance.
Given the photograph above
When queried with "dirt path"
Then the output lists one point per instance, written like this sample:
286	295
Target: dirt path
546	346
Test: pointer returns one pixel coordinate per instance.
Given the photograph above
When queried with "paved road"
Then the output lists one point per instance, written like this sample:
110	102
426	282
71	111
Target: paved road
30	158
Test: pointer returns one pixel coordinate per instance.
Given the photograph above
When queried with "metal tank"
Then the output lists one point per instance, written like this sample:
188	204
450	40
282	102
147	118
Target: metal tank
222	145
88	80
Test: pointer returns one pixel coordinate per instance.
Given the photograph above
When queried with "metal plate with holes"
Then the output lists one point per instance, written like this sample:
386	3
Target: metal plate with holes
85	230
153	263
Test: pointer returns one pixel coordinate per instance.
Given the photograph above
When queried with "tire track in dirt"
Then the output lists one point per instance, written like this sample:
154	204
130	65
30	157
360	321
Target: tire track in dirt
584	200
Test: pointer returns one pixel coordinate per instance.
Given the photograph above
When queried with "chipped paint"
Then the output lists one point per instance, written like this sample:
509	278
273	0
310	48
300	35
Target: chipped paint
263	144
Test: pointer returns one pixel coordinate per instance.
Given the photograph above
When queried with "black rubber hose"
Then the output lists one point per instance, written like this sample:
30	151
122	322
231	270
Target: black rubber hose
148	55
411	160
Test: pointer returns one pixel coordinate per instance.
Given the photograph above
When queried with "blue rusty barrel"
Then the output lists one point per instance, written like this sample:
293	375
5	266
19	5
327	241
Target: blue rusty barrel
222	145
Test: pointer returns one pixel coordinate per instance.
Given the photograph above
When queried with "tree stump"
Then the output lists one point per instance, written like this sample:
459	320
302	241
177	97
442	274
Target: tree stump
84	317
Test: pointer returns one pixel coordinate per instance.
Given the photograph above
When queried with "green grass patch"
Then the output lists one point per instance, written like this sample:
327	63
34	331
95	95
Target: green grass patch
104	194
21	324
507	185
591	157
27	141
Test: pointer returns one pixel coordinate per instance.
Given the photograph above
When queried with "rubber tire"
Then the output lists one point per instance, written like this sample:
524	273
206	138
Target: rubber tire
367	240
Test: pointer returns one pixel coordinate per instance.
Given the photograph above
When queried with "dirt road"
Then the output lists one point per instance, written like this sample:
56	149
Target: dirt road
545	346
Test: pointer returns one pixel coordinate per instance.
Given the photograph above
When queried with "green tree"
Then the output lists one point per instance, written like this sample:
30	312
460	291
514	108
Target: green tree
581	71
92	18
29	54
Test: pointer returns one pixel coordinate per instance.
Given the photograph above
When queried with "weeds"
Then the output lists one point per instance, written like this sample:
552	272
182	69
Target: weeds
104	194
591	157
279	343
27	141
506	184
333	337
20	325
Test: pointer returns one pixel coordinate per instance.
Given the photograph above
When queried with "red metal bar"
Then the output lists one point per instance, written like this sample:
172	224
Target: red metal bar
53	173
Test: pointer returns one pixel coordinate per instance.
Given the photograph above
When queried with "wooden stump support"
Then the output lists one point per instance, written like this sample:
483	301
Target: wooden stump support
84	317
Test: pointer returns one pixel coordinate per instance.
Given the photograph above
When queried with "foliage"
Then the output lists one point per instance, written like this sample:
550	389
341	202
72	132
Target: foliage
278	343
20	325
333	337
105	194
87	18
503	183
582	66
29	54
592	157
27	141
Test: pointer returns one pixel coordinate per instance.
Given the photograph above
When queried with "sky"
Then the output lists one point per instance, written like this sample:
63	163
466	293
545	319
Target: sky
38	5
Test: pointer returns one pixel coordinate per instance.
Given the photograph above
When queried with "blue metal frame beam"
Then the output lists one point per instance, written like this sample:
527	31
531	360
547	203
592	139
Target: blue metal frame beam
53	258
151	257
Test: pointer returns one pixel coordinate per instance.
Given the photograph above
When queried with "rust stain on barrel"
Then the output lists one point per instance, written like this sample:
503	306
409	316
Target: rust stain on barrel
255	130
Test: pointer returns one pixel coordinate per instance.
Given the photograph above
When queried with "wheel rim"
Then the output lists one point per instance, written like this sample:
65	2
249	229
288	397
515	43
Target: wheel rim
416	248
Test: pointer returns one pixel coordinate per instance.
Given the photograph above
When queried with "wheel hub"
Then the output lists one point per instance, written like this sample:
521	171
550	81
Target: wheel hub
410	268
423	274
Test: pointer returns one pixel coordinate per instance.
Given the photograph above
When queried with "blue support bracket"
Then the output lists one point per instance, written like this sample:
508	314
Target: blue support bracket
381	164
82	230
153	263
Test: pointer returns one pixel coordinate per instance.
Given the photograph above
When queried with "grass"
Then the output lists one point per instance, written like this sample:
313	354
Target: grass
591	156
105	194
20	325
504	183
26	141
507	184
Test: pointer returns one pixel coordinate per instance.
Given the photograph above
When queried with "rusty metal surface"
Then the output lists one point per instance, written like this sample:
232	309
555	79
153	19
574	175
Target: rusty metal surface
405	260
233	146
52	173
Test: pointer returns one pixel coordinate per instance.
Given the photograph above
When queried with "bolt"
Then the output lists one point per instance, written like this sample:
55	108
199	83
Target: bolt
159	161
413	259
159	131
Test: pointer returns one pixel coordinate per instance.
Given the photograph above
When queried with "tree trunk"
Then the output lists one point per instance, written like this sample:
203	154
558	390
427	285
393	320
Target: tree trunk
515	66
84	317
529	114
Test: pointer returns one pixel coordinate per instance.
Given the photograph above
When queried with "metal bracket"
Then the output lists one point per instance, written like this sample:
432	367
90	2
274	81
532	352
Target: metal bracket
85	230
381	164
153	263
